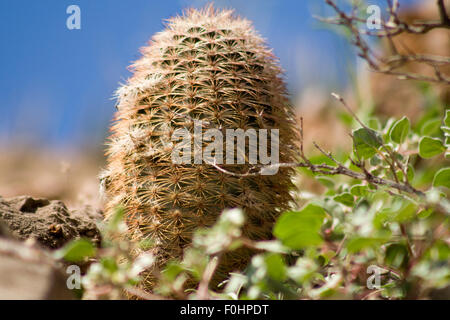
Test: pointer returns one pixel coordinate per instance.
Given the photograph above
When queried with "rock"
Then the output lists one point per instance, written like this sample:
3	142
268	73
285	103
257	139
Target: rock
27	268
29	273
48	221
4	231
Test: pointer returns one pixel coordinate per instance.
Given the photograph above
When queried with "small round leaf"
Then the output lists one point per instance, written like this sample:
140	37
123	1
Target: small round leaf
400	130
430	147
442	178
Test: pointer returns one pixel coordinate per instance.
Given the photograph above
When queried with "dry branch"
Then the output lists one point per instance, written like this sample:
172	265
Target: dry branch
391	28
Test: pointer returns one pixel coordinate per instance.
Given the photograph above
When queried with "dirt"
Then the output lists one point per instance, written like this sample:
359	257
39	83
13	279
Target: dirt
49	222
51	225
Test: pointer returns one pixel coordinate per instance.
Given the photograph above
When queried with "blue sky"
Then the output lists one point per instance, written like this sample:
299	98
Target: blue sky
56	84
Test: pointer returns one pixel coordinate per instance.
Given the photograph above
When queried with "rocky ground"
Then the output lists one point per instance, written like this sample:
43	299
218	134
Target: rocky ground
29	229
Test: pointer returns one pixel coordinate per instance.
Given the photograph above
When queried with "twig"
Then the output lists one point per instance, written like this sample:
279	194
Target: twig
338	169
203	287
325	169
394	161
394	27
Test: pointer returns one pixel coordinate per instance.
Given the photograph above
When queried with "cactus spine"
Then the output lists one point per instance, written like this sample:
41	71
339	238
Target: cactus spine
207	65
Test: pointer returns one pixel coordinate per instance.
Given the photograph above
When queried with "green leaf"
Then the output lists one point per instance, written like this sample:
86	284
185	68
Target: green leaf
425	213
406	212
430	147
399	130
442	178
109	264
396	255
359	190
346	119
410	172
325	257
76	251
366	142
431	127
358	244
400	210
440	251
300	229
172	270
326	181
276	268
345	198
375	160
374	124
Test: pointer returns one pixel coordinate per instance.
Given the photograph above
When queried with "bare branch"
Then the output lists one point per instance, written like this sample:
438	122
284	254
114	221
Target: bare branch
391	28
203	287
325	169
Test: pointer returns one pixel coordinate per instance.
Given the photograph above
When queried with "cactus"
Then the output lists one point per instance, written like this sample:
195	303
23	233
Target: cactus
207	65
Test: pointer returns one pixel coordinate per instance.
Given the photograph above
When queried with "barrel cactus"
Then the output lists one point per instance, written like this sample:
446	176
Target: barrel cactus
211	66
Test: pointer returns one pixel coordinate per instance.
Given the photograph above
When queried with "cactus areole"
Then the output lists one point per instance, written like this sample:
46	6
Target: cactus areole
208	69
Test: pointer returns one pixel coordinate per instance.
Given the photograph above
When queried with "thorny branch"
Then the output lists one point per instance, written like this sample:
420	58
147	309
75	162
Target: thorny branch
325	169
395	26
